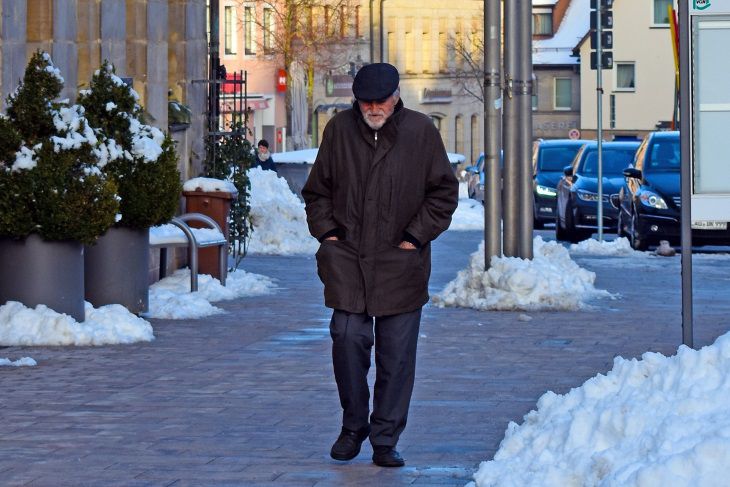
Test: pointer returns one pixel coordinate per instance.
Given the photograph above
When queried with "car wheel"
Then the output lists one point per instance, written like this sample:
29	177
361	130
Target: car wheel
637	242
572	234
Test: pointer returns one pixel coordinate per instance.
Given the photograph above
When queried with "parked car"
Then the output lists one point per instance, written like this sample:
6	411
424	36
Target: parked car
577	201
650	201
476	179
549	157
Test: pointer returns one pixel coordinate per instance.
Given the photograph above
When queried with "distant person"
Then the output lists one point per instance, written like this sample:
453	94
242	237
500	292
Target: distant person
263	156
381	189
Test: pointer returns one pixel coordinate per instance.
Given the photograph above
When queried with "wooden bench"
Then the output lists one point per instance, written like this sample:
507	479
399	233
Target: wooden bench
192	244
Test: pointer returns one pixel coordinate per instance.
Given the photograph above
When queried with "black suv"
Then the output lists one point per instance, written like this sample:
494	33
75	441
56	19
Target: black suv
549	157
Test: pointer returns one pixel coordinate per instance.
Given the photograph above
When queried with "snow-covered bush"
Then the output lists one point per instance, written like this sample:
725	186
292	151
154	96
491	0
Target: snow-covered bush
51	182
142	159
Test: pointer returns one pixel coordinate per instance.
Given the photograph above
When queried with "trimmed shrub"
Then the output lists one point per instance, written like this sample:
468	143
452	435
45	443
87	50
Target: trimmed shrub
142	159
51	181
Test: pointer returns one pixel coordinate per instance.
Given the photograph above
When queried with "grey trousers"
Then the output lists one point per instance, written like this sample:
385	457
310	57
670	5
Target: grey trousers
395	338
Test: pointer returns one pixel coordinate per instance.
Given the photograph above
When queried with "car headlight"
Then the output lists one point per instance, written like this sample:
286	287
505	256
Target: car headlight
589	196
652	200
545	191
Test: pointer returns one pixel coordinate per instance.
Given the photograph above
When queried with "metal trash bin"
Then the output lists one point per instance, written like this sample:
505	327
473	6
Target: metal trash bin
216	205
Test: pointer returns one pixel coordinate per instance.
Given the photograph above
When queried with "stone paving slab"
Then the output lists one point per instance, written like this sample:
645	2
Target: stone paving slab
247	398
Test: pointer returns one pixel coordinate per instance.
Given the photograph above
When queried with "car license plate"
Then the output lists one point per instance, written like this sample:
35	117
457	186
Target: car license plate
709	225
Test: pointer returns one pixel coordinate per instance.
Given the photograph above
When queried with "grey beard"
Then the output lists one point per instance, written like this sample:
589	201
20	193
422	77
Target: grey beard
374	125
264	157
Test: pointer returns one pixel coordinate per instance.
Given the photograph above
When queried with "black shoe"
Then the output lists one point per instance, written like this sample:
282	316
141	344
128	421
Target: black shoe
386	456
348	443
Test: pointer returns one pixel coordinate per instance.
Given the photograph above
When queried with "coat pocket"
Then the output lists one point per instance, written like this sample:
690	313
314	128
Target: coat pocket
338	269
401	279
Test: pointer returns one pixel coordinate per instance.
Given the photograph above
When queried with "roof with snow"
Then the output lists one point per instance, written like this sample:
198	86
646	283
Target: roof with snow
559	48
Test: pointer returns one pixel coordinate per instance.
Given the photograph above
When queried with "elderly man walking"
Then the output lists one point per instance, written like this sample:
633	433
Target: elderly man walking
380	191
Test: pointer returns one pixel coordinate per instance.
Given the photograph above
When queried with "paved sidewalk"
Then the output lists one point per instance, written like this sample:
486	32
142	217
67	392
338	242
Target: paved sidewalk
248	398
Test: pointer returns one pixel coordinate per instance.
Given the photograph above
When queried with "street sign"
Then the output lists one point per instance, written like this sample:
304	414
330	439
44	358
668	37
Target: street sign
574	134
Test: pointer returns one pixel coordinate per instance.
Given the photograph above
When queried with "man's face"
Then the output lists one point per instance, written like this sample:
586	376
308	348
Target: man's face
263	149
377	112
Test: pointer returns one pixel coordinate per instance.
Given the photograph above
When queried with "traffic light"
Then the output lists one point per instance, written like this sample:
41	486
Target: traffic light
604	31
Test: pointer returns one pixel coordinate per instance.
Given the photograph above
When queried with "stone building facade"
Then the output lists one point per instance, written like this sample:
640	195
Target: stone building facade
160	46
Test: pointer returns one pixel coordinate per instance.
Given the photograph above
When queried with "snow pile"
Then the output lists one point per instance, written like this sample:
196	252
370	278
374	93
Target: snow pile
469	215
23	362
106	325
171	297
620	246
278	218
657	421
550	281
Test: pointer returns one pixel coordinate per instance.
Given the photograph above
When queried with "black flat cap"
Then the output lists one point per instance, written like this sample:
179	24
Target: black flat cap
375	82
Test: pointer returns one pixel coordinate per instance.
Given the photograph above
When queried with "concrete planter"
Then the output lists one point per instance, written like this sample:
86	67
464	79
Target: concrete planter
116	269
34	271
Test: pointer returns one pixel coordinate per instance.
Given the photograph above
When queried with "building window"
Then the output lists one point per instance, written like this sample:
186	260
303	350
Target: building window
438	122
474	138
625	77
612	111
542	23
229	26
443	53
268	30
357	22
459	134
563	93
248	25
661	12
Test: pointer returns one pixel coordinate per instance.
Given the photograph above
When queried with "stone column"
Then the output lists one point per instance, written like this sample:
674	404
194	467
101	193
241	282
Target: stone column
65	51
14	23
196	68
157	29
114	34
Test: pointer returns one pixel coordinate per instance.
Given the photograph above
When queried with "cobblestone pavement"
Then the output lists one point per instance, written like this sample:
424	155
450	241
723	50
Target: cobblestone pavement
248	399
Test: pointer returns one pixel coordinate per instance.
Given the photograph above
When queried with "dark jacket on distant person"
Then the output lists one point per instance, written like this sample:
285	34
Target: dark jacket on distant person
374	189
267	164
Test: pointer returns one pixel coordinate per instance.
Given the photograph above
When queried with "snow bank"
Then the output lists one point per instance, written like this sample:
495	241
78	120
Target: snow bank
111	324
550	281
657	421
469	215
619	246
278	218
171	298
23	362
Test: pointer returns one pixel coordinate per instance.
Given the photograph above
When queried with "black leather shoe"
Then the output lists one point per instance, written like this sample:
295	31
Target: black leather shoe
348	443
386	456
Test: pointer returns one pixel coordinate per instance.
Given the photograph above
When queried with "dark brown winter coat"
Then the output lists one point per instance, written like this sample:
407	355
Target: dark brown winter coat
375	189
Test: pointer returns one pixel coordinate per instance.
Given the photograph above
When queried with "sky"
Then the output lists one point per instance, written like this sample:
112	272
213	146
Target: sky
654	421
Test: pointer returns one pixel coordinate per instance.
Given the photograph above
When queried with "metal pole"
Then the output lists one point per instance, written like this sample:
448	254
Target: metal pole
685	115
510	186
524	103
492	130
599	115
